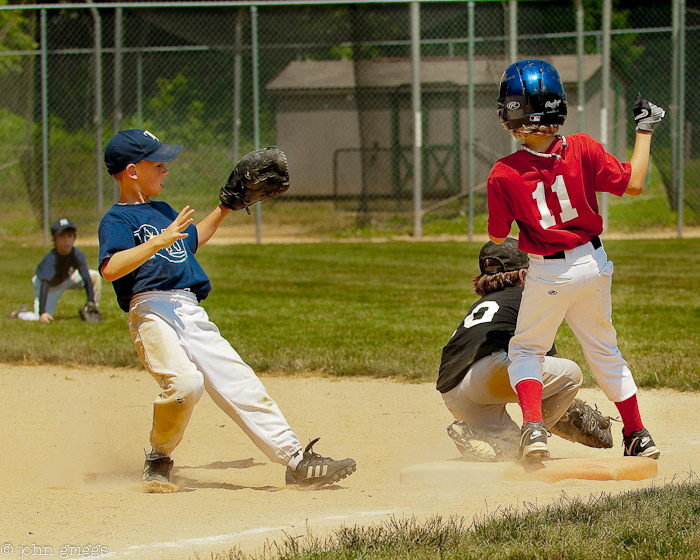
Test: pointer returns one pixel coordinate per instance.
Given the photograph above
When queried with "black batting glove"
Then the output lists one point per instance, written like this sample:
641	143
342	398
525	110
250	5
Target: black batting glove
646	114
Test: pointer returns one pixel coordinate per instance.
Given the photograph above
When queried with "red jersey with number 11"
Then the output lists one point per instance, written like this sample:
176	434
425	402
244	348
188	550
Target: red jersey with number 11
552	196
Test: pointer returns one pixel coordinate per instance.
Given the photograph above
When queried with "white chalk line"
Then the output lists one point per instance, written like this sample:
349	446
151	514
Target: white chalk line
217	539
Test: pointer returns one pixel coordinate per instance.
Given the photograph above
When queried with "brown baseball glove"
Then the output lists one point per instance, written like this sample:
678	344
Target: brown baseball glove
585	425
89	313
258	175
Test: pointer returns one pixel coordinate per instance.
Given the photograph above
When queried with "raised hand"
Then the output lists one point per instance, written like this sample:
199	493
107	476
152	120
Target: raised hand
646	114
176	230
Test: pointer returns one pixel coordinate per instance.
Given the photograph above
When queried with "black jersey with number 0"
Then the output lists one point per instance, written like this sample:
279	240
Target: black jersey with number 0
487	328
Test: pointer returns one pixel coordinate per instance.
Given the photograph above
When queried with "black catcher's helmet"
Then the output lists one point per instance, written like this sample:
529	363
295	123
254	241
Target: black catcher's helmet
531	93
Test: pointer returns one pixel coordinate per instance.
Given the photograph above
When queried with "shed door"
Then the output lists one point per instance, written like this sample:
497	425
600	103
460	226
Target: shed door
441	153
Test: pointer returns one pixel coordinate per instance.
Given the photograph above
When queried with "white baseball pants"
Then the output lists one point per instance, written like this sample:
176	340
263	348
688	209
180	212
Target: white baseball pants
480	399
576	288
185	352
73	282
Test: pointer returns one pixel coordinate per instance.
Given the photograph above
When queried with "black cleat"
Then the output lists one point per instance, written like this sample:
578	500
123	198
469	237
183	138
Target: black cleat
156	475
640	444
533	443
315	471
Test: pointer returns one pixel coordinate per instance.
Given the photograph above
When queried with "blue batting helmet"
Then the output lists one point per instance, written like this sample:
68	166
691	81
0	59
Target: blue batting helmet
531	93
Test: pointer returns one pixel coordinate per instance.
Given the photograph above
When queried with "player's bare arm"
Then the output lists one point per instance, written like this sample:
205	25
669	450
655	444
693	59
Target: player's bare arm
124	262
497	240
208	226
647	117
639	163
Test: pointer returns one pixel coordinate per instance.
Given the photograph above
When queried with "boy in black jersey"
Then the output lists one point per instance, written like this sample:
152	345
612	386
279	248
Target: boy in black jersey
473	376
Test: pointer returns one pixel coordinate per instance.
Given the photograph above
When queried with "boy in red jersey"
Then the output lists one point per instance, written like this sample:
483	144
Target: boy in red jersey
549	188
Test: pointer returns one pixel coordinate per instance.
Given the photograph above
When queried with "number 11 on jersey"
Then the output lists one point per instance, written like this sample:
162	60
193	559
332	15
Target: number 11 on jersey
568	212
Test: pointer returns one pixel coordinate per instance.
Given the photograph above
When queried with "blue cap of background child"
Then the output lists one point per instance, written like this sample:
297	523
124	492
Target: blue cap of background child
135	145
61	225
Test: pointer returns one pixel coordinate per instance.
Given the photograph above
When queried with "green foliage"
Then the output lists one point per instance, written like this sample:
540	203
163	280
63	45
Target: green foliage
340	52
181	116
19	191
14	132
73	154
13	127
15	35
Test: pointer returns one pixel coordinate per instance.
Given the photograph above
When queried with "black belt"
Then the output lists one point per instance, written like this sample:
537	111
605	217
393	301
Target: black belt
595	241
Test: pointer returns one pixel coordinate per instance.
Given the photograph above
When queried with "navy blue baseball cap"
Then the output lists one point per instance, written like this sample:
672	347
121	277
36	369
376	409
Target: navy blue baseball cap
61	225
135	145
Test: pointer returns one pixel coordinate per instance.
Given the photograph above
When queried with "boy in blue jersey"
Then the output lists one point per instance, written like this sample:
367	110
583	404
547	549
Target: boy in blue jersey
147	251
63	268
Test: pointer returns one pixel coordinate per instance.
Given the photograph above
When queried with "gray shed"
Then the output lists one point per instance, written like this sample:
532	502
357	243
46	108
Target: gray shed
345	140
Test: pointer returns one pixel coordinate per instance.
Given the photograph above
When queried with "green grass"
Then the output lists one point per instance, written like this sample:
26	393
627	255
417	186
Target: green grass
646	524
374	309
386	309
650	211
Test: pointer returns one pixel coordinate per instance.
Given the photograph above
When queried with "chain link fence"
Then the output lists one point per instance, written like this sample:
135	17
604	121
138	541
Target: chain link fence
333	84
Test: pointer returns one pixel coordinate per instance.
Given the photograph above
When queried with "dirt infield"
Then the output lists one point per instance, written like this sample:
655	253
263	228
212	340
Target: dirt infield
73	444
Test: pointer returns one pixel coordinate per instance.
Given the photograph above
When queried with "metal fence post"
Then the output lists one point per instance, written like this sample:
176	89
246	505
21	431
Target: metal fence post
118	12
513	48
580	50
470	118
676	130
98	102
237	87
417	120
45	125
605	99
256	108
512	31
681	113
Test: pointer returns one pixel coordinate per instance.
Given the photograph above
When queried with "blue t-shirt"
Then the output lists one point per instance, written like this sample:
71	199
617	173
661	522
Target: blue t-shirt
54	269
174	268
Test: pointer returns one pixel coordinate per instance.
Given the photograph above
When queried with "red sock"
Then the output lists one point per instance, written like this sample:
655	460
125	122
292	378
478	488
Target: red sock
629	411
530	397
